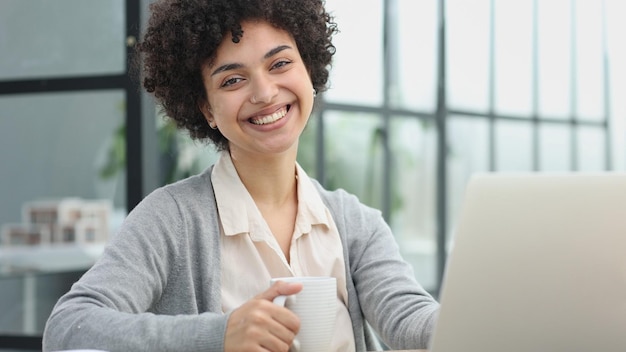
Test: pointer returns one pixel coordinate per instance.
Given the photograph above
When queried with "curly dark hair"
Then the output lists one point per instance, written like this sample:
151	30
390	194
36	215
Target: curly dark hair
182	35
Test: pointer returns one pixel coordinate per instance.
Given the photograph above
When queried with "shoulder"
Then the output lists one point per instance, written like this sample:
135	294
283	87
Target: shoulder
198	185
191	191
176	210
346	207
177	201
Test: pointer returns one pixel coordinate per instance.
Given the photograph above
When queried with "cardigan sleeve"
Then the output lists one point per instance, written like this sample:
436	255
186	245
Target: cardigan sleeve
392	302
117	304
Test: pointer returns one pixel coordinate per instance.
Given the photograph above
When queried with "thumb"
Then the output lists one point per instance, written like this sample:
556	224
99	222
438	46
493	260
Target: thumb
281	288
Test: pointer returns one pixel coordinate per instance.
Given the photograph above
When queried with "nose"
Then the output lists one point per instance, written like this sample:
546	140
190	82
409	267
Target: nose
264	89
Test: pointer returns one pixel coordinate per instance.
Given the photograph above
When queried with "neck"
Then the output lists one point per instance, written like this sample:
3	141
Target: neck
270	179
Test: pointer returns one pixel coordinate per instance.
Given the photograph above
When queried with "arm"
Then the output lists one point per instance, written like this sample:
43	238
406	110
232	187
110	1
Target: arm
116	305
392	301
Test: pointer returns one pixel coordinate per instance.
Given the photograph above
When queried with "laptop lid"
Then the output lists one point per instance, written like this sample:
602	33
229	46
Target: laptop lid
538	264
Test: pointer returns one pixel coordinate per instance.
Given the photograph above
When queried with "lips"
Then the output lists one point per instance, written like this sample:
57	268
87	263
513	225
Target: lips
267	119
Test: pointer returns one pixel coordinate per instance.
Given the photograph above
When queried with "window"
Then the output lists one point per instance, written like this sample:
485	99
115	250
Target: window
524	88
66	105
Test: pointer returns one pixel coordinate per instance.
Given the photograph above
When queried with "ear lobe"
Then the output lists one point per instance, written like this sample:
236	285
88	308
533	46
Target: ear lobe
205	109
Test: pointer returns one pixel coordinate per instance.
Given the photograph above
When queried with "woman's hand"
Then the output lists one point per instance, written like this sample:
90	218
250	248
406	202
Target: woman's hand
260	325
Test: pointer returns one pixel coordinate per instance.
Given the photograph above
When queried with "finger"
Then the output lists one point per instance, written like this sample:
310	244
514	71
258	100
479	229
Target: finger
288	324
272	325
254	324
273	343
284	334
280	288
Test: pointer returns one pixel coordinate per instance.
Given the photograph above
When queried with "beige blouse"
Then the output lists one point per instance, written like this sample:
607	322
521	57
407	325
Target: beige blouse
251	255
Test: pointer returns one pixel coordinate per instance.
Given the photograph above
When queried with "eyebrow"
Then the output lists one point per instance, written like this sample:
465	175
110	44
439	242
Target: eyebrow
234	66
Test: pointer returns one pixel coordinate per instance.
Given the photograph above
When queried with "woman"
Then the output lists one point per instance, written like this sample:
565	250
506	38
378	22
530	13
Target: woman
190	267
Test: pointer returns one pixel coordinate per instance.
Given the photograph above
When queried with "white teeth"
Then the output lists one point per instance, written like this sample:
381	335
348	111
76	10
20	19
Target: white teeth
269	118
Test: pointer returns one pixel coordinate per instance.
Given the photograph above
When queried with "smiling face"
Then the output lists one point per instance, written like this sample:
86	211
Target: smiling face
259	91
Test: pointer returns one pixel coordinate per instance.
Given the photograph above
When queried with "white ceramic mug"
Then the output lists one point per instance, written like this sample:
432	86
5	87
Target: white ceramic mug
315	305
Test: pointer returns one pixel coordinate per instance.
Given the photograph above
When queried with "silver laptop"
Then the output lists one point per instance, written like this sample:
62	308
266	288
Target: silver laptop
538	264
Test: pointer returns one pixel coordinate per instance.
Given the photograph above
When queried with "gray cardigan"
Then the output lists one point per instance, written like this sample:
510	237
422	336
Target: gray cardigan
156	287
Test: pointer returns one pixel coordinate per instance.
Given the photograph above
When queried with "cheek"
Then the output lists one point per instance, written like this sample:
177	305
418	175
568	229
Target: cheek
219	109
216	105
225	108
307	92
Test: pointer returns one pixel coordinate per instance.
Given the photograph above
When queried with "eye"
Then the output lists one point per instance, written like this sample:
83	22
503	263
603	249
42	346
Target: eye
280	64
231	81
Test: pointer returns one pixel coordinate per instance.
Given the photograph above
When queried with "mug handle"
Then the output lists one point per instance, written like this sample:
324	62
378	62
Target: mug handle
281	301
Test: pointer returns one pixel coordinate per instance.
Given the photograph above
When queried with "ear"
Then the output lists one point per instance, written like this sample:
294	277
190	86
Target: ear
205	109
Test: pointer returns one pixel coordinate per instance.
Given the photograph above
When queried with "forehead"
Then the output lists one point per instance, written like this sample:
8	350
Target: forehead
259	37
